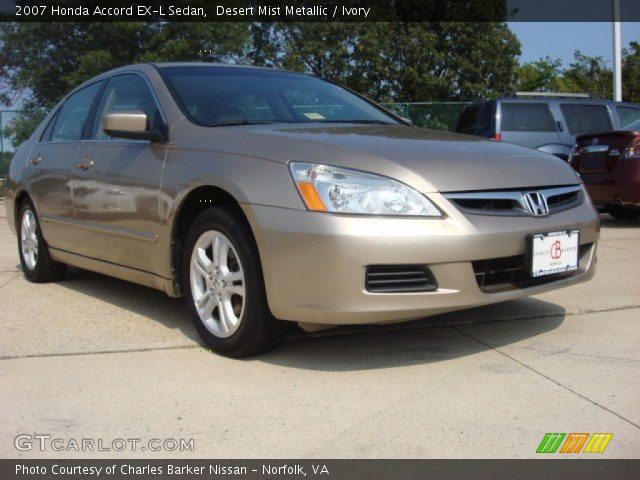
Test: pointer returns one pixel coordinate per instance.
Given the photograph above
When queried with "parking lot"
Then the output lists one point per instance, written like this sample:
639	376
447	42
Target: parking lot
95	357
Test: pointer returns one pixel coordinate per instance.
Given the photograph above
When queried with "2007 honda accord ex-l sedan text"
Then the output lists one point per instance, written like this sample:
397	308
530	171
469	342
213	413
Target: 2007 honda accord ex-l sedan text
265	197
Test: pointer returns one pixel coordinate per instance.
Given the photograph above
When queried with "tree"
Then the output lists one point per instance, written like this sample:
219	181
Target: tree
584	75
631	73
411	62
397	61
322	49
588	75
49	59
20	128
404	61
540	76
46	60
264	45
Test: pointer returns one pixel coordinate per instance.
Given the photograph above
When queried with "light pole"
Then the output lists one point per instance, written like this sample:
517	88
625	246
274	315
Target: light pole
617	57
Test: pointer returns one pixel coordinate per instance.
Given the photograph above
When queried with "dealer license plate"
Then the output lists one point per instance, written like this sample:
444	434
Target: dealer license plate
555	252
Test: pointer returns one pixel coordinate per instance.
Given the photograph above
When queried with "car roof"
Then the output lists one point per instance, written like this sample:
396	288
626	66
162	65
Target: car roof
593	100
213	65
145	67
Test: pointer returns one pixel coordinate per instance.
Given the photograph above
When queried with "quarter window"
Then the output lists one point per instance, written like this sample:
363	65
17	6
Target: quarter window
125	92
527	117
46	136
584	119
73	115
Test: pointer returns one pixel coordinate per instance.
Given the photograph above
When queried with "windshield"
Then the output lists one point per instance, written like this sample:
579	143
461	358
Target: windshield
235	96
632	126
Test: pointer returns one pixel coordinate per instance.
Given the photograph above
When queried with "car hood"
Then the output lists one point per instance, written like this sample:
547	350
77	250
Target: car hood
426	159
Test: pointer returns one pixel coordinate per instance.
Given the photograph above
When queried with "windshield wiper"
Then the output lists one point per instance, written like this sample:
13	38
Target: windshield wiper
358	120
238	122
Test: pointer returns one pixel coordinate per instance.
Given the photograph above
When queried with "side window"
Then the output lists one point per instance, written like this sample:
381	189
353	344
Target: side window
527	117
125	92
73	115
582	119
628	115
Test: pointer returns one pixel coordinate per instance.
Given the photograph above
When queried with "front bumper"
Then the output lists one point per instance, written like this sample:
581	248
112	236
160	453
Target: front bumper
314	263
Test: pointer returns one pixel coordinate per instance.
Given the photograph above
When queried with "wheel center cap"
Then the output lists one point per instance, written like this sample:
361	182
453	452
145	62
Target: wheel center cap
216	284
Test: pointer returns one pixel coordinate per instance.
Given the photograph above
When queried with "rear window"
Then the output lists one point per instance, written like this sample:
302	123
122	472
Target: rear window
476	119
628	114
527	117
467	119
584	119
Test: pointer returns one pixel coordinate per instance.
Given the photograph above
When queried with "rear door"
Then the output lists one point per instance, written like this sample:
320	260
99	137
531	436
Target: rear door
584	119
529	124
116	187
51	163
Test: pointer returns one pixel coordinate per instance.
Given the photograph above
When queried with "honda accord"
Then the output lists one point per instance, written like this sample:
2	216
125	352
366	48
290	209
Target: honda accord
265	197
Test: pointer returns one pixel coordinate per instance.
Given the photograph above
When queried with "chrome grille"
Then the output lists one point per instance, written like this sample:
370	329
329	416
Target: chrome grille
518	202
509	273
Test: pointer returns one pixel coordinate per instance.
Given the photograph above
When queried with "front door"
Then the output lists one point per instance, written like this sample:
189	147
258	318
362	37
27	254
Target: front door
116	184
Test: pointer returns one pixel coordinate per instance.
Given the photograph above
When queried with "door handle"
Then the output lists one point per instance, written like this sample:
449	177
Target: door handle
560	126
85	164
36	159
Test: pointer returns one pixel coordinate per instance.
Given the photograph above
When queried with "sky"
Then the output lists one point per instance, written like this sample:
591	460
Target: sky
562	39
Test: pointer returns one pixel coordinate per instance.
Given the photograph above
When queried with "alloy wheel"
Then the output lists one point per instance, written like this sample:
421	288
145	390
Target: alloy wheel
29	239
217	283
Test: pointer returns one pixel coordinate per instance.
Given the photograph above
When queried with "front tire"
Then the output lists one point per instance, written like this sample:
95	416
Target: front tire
623	213
224	286
37	265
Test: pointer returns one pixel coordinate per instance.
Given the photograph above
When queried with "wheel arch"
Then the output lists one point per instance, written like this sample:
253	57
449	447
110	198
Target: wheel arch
188	208
20	197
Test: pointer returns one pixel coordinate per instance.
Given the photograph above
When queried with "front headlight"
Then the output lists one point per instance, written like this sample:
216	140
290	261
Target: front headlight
326	188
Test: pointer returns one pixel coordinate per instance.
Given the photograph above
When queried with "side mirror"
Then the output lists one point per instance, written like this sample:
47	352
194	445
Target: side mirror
132	124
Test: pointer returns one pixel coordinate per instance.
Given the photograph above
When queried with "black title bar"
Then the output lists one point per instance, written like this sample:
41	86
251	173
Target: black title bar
321	10
569	469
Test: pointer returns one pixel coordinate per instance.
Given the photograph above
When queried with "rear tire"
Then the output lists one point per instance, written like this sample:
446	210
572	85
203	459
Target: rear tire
224	291
37	265
623	213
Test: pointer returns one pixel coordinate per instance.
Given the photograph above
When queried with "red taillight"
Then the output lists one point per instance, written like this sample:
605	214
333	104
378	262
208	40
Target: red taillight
633	150
497	137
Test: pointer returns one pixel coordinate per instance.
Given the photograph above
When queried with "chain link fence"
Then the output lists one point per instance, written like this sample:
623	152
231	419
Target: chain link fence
434	115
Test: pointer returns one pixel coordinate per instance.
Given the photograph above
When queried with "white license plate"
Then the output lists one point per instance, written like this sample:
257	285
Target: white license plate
554	252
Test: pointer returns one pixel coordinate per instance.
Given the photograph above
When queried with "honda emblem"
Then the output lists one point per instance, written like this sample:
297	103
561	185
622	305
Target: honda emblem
536	204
